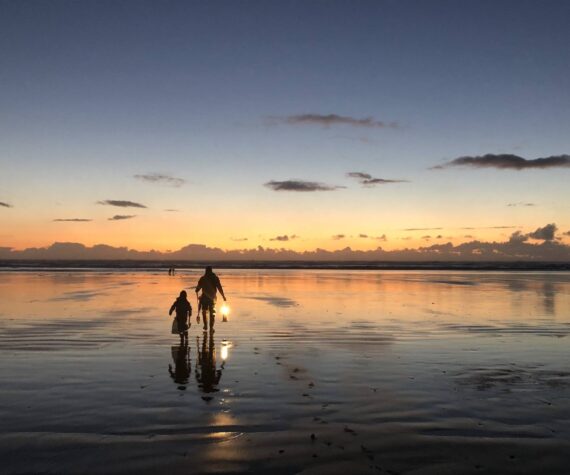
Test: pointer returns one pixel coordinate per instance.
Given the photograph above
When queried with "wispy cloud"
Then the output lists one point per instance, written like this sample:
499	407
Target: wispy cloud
328	120
506	162
378	238
520	203
5	205
300	185
121	203
366	179
72	220
120	217
171	210
238	239
284	237
338	237
567	233
161	179
424	229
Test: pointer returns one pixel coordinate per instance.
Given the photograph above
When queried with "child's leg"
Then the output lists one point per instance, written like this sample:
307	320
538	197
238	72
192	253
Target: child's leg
204	315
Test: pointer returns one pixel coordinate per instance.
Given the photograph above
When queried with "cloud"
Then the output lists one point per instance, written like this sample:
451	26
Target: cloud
424	229
365	179
120	217
512	250
545	233
170	210
338	237
327	120
121	203
379	238
506	162
72	220
426	237
300	185
161	179
5	205
567	233
284	238
468	236
280	238
239	239
520	203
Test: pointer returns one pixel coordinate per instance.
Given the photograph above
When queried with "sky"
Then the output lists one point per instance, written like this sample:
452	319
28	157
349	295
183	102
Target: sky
296	125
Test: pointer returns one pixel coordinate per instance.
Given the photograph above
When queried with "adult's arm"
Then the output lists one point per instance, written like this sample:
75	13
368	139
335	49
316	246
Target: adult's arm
172	308
219	287
199	286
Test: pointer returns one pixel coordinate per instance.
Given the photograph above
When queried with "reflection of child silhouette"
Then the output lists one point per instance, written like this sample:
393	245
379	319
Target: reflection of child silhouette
182	367
207	376
183	314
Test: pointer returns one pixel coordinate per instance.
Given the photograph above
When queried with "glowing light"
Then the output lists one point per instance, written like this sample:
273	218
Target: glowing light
225	350
225	310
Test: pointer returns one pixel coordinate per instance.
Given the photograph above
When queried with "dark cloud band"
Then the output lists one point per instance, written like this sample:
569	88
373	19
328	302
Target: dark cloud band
366	179
327	120
72	220
507	162
300	185
121	203
161	179
5	205
121	217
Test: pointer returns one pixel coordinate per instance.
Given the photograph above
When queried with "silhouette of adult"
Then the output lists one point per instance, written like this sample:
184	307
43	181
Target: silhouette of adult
183	314
209	284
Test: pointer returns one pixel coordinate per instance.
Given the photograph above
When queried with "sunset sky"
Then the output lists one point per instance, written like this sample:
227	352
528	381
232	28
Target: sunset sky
297	125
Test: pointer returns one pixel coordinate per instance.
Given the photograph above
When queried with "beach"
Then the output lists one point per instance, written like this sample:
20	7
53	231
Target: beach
315	371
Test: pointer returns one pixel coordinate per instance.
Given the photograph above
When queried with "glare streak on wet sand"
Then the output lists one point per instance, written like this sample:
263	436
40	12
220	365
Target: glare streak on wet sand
315	372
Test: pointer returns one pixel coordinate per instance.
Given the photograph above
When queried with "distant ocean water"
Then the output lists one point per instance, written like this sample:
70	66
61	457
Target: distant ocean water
355	265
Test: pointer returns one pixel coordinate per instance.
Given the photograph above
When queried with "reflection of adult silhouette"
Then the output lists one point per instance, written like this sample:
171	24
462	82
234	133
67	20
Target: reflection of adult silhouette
182	366
207	375
209	284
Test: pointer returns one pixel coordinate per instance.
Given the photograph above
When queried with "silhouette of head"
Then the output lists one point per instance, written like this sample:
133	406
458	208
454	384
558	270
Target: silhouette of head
183	294
209	269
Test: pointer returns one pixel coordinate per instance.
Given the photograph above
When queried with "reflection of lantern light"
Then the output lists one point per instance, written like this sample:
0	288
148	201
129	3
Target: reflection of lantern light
225	310
225	350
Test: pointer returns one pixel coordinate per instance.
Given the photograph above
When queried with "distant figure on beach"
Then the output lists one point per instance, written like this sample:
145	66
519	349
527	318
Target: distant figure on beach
207	375
182	367
209	284
171	271
183	314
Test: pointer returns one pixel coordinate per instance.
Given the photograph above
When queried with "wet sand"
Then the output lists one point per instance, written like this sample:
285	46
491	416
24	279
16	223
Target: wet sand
316	371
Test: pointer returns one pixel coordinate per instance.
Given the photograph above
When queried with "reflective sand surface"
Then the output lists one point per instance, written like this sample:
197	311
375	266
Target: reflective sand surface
315	372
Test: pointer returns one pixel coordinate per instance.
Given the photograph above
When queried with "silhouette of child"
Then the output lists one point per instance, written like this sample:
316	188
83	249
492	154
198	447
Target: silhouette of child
183	314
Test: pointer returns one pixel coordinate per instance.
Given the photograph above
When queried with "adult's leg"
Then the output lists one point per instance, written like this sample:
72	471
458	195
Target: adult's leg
212	315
